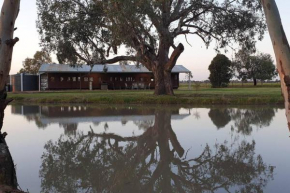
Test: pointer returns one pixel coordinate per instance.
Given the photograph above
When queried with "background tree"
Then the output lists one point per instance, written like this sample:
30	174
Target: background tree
255	67
90	31
220	71
32	65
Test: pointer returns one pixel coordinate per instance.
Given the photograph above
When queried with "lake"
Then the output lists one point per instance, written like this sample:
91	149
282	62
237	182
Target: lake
93	148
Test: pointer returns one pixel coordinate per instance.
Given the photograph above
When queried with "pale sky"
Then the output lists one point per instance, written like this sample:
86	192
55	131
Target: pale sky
195	57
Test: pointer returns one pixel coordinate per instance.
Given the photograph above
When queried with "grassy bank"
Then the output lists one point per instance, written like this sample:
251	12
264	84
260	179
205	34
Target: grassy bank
236	96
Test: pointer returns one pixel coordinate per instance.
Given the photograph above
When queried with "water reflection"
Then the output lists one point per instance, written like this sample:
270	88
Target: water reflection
220	117
68	117
243	118
8	179
151	162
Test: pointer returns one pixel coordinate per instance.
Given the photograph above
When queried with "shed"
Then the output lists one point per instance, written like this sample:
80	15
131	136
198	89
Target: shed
58	76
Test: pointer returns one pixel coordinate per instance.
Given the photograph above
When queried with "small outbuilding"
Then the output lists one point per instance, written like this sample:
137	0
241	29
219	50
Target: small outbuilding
23	82
58	76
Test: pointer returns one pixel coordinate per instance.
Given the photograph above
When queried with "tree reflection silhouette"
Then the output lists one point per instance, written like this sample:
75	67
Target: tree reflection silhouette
8	178
152	162
220	117
244	119
69	129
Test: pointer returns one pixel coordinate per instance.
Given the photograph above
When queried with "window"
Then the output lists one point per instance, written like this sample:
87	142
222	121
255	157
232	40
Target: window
100	79
79	78
86	79
68	79
152	79
61	79
74	79
116	78
129	78
91	79
111	78
52	79
121	79
141	79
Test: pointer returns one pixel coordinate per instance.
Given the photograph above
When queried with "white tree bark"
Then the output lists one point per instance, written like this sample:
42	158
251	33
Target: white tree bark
9	13
281	49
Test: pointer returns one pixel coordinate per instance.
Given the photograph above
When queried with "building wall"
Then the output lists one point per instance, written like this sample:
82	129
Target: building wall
30	82
16	82
114	80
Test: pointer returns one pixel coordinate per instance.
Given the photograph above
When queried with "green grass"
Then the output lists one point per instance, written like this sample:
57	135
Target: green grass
204	95
184	86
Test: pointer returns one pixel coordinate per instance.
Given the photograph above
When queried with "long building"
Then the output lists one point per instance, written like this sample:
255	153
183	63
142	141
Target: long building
58	77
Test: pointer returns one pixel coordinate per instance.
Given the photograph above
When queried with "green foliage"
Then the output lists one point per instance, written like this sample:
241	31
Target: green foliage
260	66
89	31
32	65
220	71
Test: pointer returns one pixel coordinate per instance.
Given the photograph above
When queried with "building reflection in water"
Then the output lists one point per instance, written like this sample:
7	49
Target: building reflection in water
154	161
68	117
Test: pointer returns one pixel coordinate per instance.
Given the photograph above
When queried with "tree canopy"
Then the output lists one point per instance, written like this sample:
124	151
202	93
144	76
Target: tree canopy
220	71
91	32
255	67
32	65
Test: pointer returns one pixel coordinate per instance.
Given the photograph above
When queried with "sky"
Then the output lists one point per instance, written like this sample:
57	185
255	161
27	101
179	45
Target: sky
196	57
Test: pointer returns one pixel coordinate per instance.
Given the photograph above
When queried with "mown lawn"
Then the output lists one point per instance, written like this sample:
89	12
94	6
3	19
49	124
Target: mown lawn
204	95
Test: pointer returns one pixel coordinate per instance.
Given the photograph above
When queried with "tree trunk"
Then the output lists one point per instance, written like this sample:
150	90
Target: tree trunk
163	85
9	14
281	49
255	82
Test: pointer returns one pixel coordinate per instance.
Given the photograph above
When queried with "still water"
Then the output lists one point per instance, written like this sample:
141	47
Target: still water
89	148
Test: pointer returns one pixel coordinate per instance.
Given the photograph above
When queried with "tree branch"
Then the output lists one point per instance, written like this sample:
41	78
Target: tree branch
117	59
174	56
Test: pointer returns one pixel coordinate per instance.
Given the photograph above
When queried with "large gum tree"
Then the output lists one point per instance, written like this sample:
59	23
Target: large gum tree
92	32
281	48
9	13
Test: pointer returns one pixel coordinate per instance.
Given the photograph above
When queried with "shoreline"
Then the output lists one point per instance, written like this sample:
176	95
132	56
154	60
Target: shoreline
223	96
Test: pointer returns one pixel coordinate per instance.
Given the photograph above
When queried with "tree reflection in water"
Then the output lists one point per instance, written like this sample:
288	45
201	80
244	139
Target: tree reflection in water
8	178
152	162
220	117
244	119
